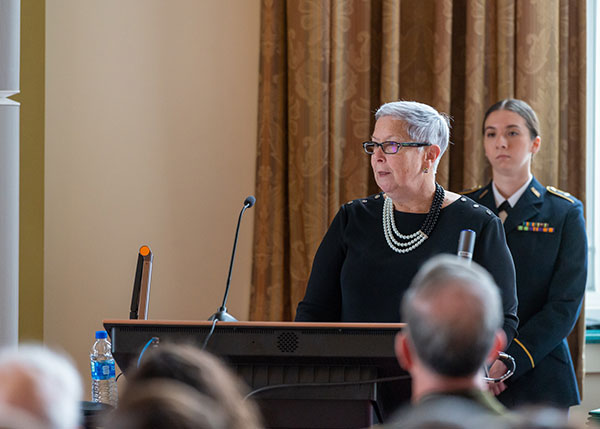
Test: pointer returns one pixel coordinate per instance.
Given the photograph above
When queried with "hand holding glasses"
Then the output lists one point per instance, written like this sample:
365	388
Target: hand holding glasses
510	363
390	148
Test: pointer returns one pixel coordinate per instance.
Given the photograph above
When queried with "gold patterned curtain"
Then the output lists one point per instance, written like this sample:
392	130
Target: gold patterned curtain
325	67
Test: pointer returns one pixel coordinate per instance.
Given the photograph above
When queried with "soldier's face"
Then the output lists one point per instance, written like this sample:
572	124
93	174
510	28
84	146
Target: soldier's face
508	145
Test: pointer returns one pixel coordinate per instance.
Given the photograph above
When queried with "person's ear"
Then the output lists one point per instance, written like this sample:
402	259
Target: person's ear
403	351
431	154
535	147
498	346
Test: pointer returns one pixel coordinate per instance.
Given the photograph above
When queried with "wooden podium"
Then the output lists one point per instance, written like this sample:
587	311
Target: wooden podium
306	375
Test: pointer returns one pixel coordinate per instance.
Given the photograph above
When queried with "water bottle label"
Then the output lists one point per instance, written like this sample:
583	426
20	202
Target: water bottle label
103	370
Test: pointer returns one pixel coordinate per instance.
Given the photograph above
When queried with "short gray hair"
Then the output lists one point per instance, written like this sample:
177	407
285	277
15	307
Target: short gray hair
423	123
52	378
455	338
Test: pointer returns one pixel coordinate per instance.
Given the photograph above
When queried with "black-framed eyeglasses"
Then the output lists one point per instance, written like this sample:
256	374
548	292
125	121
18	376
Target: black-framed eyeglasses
390	148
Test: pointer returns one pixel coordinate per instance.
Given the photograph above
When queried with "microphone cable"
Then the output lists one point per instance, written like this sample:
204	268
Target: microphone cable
154	340
212	329
336	384
325	384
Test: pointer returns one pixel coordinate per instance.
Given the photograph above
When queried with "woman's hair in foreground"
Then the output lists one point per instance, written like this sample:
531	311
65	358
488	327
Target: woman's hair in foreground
164	403
205	373
423	123
519	107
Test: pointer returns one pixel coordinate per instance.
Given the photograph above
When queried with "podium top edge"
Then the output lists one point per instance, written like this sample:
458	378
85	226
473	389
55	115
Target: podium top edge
255	324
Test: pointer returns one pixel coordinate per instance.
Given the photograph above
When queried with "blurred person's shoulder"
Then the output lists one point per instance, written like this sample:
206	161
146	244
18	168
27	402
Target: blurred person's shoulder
451	411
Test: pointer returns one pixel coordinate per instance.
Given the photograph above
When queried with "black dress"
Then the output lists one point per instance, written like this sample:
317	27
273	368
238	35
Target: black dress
357	277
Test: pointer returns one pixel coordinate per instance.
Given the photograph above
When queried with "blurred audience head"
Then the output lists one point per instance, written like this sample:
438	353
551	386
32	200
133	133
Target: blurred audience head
164	403
39	387
454	318
214	383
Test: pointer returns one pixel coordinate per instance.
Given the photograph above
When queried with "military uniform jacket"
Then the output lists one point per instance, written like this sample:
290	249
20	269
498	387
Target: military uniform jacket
545	233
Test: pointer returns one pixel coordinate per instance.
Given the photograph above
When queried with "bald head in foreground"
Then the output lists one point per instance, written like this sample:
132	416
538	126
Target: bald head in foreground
40	389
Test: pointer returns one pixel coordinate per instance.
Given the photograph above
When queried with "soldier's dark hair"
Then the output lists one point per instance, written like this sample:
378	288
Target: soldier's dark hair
519	107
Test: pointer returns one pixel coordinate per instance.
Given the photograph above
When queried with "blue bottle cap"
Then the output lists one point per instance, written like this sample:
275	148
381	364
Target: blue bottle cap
101	335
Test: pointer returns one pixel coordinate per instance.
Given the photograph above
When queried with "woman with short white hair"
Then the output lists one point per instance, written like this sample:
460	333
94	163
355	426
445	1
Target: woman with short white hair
375	245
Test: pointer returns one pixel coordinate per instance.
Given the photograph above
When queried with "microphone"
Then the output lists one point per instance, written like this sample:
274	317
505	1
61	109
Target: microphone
141	285
466	243
249	201
222	315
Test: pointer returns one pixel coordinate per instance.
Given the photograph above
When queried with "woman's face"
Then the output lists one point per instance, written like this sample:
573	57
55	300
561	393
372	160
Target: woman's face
508	145
395	173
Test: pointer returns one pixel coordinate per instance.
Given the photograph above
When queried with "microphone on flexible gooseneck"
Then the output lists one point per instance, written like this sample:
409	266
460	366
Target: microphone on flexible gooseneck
222	314
466	244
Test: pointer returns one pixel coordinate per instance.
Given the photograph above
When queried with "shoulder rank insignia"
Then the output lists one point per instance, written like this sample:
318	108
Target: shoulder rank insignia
468	191
560	193
535	227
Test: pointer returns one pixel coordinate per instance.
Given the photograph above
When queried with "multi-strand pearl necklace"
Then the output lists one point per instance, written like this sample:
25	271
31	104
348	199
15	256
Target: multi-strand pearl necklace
412	241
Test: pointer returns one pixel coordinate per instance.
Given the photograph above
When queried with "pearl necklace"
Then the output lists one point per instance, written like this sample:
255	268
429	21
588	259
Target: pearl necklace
412	241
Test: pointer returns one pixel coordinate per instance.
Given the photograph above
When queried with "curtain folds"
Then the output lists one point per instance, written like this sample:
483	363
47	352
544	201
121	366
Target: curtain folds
325	67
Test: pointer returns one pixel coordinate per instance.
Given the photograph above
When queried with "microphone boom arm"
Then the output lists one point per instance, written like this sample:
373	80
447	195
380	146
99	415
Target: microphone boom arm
222	314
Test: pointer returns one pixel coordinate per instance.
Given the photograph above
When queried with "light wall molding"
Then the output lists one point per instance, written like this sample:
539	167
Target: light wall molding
10	15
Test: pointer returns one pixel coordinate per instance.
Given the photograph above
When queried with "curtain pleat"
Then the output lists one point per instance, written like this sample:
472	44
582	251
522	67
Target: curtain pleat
270	292
442	72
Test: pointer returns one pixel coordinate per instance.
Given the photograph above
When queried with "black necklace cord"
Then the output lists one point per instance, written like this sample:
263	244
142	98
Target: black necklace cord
434	210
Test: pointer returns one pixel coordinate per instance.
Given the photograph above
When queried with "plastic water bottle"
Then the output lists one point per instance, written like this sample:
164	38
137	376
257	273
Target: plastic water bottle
104	383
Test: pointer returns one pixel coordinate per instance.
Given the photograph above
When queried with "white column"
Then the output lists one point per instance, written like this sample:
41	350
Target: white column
9	171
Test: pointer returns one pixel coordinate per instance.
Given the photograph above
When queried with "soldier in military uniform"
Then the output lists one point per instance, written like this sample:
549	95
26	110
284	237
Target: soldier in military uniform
545	232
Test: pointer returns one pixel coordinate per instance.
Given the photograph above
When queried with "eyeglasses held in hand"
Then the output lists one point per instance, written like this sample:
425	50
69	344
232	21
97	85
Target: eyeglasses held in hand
391	148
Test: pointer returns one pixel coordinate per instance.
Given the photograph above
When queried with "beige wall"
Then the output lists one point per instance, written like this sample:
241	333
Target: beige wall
151	110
